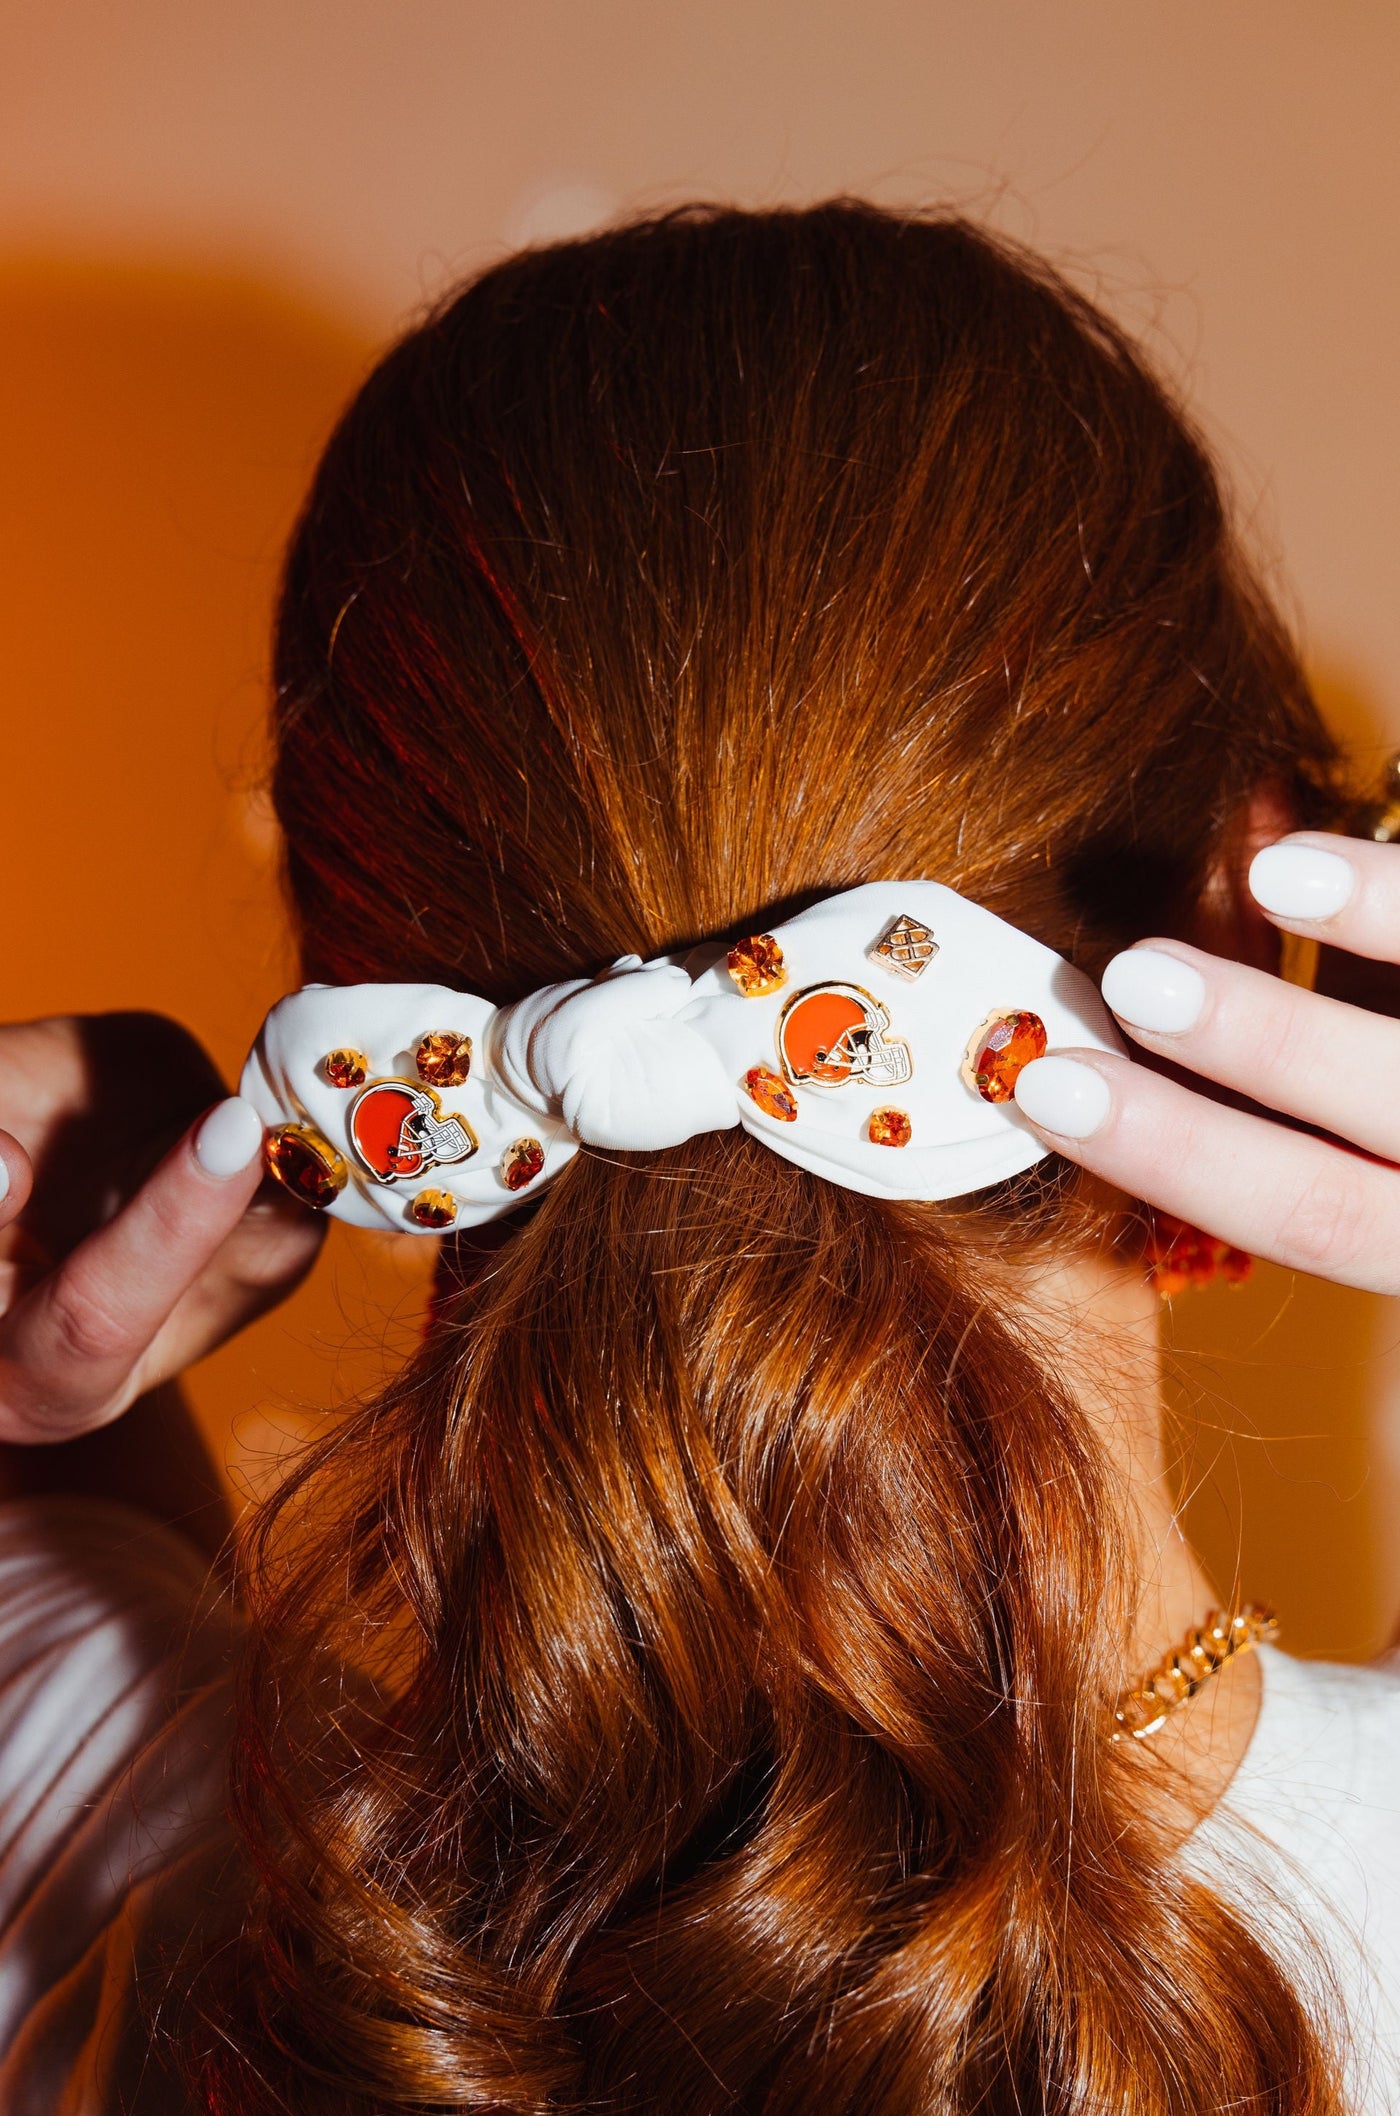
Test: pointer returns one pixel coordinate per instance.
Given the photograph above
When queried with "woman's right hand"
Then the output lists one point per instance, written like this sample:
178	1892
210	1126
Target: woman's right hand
132	1240
1326	1204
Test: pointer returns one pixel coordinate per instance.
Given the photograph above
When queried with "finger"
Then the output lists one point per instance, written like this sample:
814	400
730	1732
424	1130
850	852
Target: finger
69	1349
16	1249
265	1258
16	1178
1287	1196
1316	1059
1345	891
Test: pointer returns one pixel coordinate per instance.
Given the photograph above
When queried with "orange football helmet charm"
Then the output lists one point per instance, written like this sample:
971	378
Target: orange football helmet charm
831	1035
397	1128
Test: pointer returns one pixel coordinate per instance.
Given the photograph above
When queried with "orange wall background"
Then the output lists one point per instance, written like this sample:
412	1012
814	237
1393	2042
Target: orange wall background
209	218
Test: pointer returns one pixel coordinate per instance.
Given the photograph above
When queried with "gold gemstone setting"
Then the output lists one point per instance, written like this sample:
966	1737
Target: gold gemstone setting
521	1162
433	1208
304	1163
756	965
345	1068
1006	1043
889	1127
443	1058
772	1093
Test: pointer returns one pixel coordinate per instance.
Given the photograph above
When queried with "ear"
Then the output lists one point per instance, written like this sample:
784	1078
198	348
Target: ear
1226	920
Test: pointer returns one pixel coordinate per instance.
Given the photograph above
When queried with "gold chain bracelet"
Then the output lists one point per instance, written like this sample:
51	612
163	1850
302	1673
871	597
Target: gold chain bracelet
1188	1667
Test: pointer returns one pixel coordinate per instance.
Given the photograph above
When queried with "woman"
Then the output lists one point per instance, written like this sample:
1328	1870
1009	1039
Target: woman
710	1676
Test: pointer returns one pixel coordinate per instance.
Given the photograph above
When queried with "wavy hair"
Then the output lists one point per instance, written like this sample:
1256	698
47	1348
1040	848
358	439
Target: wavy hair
685	1689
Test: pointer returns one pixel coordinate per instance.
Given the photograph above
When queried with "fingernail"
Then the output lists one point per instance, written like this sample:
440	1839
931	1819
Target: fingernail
4	1182
1061	1095
1300	881
1154	991
229	1139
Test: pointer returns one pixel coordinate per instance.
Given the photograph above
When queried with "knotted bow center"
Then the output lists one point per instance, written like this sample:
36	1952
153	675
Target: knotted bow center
616	1061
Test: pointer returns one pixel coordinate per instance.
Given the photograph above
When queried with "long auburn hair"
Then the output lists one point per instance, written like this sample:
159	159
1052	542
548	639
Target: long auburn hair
685	1688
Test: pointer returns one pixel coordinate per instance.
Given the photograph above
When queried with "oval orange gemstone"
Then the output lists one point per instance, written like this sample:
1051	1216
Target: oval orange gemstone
521	1163
444	1058
434	1208
890	1127
772	1094
756	965
1001	1048
306	1164
345	1068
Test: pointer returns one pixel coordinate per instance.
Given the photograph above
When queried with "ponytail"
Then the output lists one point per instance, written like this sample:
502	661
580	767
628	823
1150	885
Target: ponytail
747	1605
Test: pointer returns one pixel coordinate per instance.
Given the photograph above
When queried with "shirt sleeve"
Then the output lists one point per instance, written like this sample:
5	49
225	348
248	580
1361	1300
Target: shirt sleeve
114	1699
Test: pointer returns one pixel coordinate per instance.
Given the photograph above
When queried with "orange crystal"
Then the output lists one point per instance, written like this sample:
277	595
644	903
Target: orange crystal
1003	1045
890	1127
345	1068
434	1208
772	1094
306	1164
444	1058
756	965
1181	1257
521	1163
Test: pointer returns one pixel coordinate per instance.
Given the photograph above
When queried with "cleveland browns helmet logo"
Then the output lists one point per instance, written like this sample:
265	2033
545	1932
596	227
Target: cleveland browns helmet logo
397	1129
829	1035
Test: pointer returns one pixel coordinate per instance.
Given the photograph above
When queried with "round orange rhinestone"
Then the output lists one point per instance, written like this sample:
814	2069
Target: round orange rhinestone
306	1164
434	1208
890	1127
444	1058
345	1068
756	965
772	1094
521	1163
1003	1045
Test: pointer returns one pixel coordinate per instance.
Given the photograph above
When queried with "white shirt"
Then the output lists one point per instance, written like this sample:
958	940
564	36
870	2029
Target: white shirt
1307	1841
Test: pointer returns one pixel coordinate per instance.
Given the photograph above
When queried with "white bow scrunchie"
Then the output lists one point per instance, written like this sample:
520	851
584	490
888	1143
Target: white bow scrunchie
873	1040
613	1059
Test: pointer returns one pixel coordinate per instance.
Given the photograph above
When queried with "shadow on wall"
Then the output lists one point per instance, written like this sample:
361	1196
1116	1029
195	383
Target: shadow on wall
1278	1389
157	428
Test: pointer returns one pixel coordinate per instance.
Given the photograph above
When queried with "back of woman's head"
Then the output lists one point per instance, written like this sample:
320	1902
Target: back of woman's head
745	1596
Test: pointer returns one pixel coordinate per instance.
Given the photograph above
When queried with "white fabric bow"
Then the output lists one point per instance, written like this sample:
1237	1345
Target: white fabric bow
614	1060
856	1064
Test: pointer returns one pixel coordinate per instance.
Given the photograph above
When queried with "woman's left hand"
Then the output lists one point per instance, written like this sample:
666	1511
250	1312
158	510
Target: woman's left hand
1319	1192
132	1241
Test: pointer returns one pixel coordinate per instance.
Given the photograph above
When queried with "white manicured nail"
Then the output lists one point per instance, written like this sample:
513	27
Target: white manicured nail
1061	1095
1300	881
1154	991
4	1182
229	1139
